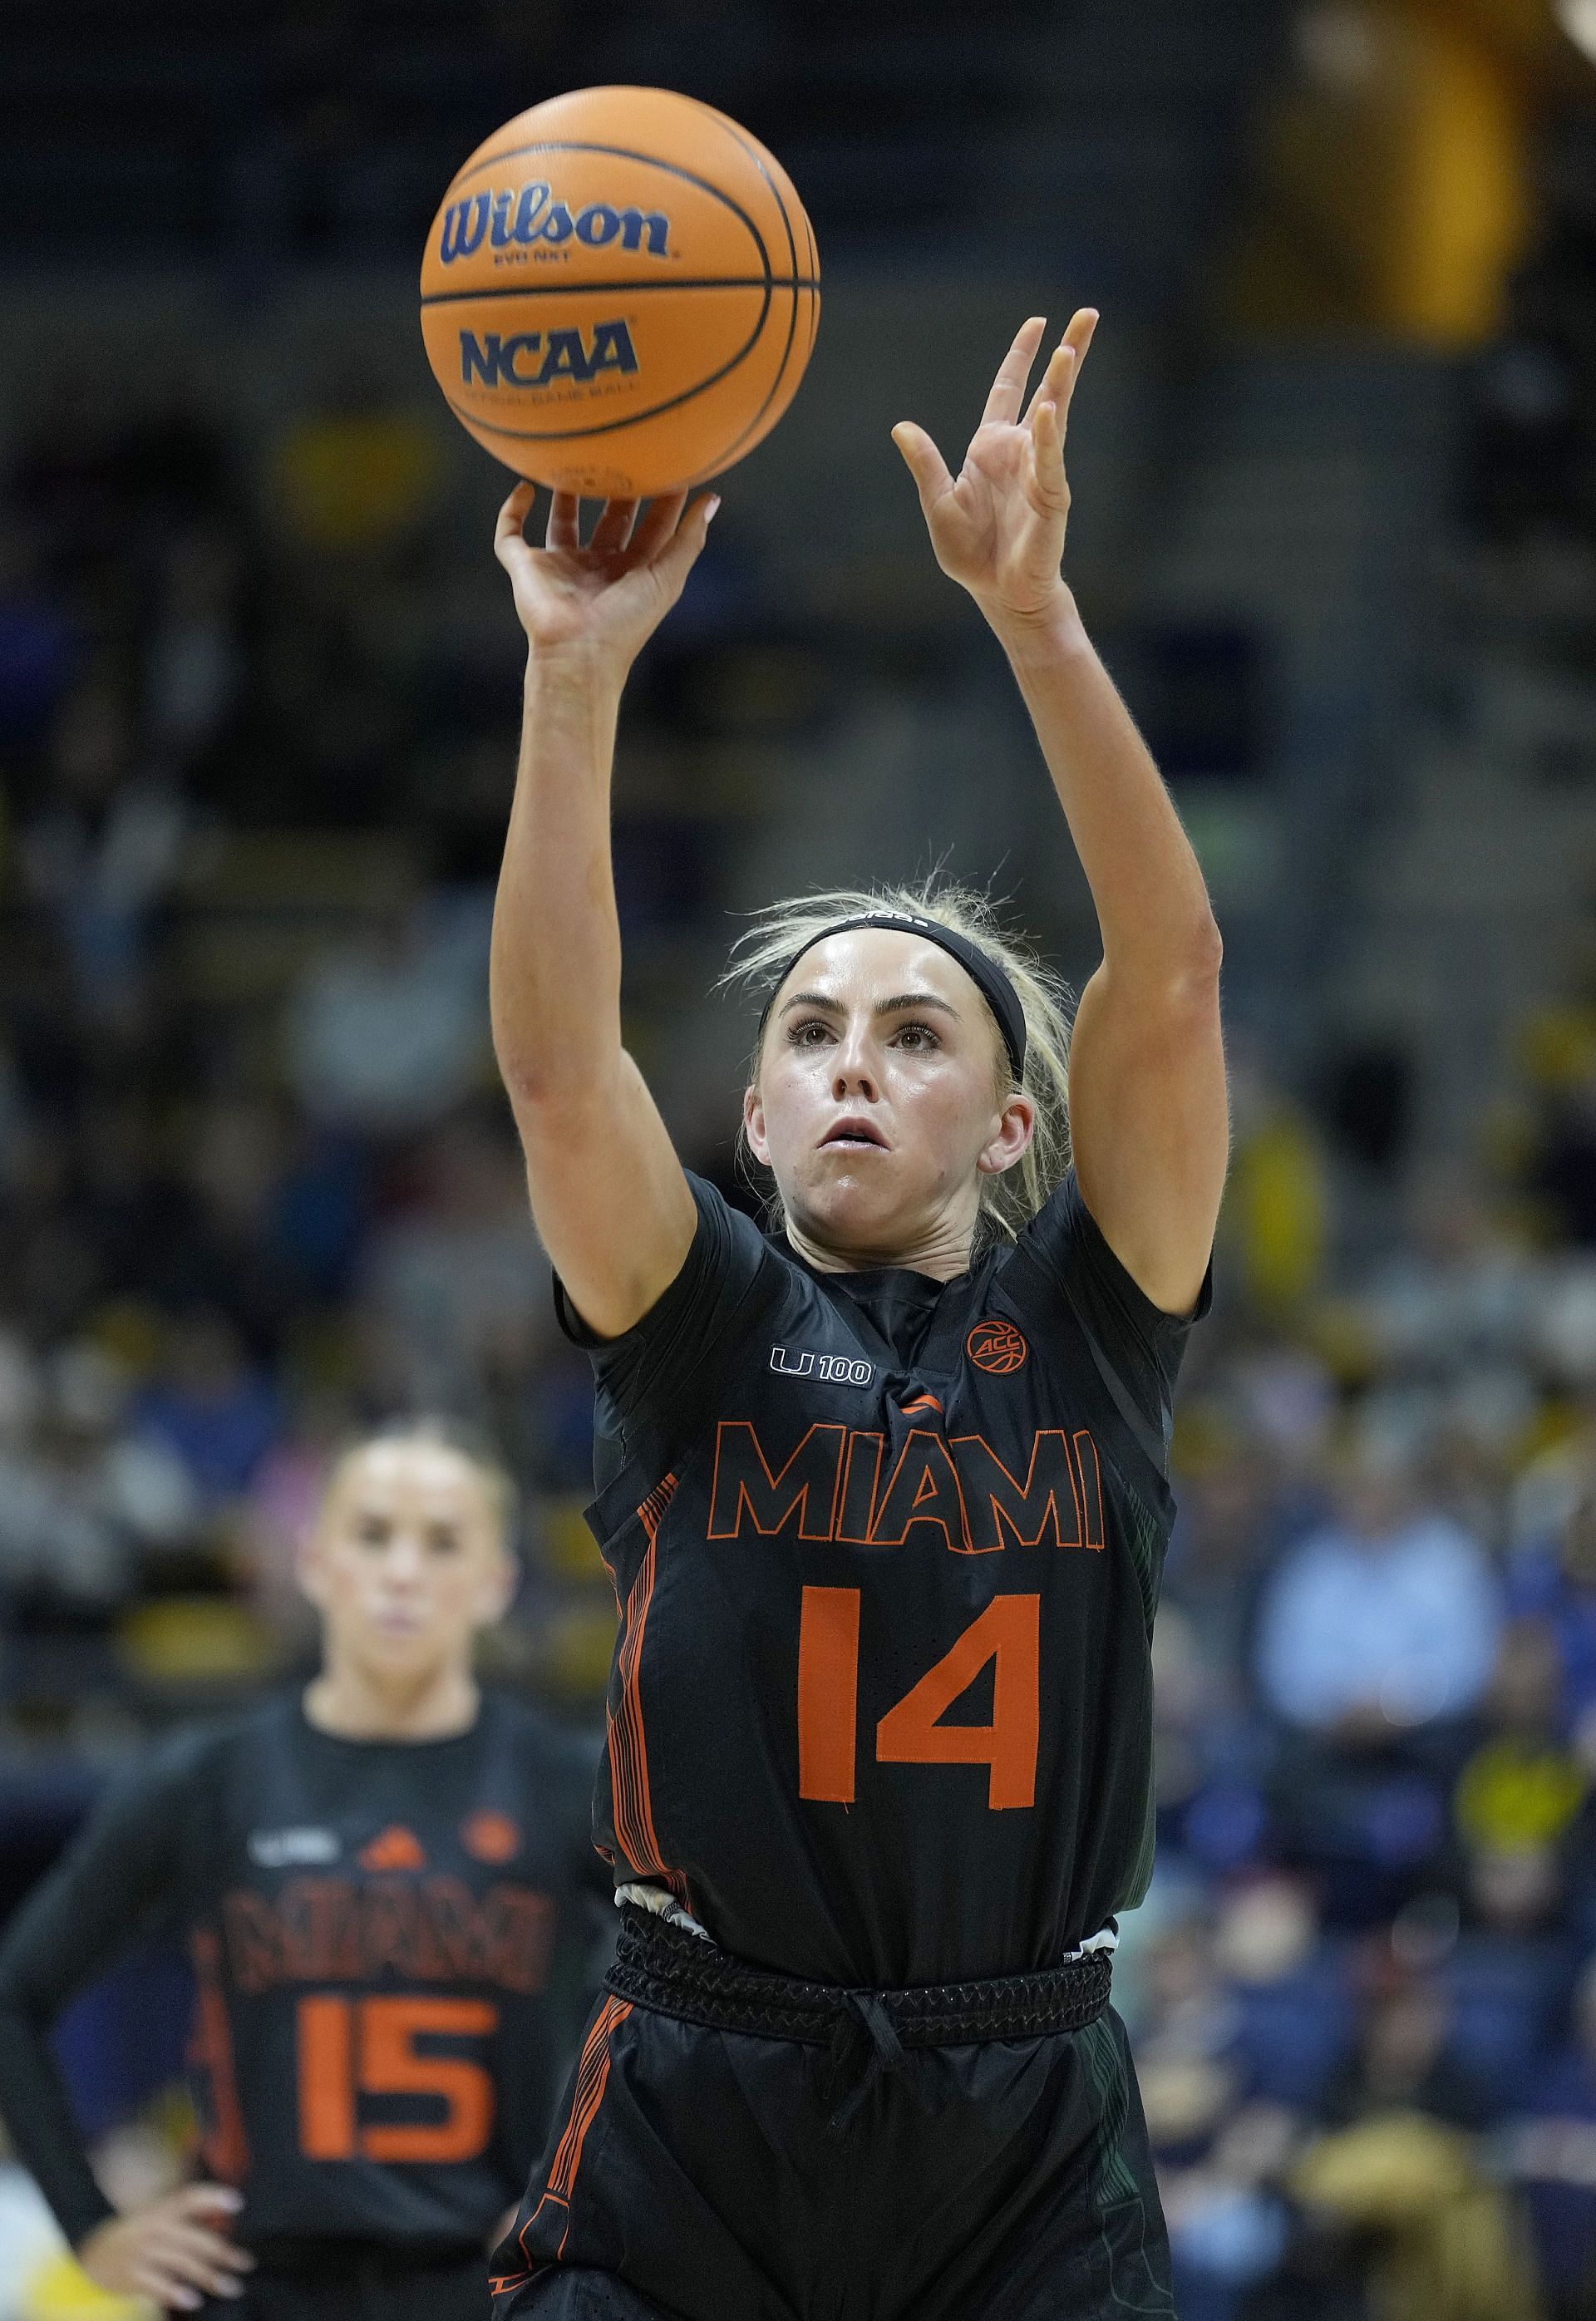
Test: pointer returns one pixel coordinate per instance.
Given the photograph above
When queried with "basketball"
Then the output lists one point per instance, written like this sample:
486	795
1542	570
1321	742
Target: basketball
620	293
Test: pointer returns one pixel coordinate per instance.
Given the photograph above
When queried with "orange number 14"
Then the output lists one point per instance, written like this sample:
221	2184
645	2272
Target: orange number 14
1007	1633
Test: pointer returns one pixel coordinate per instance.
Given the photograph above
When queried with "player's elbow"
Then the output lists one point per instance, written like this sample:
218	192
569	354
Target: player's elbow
1179	990
1202	951
546	1076
1188	985
561	1105
527	1080
1170	960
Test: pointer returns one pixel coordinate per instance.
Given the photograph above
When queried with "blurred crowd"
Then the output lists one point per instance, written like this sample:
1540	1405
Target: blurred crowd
257	1184
1363	1989
1532	479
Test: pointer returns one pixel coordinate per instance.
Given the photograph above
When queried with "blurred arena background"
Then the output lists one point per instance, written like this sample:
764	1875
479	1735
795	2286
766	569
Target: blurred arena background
1335	473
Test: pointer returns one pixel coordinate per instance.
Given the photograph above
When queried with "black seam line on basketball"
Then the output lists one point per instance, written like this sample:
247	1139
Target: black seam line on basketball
731	453
815	271
758	161
603	289
612	426
619	153
792	313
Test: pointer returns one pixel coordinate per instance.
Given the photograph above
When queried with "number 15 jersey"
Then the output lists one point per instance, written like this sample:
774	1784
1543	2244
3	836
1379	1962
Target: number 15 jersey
887	1552
390	1942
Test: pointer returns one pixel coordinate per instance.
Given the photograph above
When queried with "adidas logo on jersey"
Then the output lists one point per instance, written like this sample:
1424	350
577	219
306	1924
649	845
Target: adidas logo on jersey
286	1849
395	1848
835	1369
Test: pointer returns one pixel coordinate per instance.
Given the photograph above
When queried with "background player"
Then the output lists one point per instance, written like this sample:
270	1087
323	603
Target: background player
380	1887
885	1496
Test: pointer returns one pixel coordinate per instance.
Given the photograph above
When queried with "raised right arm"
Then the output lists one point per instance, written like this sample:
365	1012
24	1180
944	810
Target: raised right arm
611	1204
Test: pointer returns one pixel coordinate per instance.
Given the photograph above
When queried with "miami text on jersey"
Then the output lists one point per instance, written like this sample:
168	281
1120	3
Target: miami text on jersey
423	1930
830	1486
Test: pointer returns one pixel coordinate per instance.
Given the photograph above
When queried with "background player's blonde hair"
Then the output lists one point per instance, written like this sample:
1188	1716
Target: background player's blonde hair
782	930
439	1433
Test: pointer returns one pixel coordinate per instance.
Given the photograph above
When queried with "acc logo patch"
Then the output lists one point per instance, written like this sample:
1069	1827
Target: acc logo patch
490	1836
996	1345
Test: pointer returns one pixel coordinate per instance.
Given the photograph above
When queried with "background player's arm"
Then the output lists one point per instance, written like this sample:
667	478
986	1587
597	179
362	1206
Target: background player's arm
75	1924
1148	1120
609	1195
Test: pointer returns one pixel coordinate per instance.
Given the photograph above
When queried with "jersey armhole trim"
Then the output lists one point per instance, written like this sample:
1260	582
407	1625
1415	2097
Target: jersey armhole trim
1153	1442
656	1441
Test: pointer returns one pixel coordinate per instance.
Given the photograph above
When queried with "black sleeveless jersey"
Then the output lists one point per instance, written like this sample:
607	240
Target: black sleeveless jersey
389	1941
887	1552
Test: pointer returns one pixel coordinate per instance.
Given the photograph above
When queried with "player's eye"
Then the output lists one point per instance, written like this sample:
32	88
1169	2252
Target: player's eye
919	1039
810	1032
442	1539
374	1531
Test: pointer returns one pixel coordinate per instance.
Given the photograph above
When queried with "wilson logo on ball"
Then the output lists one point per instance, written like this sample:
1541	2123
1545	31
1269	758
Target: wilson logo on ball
996	1345
541	357
525	214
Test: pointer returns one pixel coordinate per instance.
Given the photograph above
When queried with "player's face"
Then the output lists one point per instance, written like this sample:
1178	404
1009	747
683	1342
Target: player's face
405	1562
878	1105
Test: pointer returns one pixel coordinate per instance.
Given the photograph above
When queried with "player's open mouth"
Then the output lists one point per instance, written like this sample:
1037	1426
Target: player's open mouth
853	1133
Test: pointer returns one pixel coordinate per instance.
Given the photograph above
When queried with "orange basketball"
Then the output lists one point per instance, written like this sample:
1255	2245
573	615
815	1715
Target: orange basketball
620	292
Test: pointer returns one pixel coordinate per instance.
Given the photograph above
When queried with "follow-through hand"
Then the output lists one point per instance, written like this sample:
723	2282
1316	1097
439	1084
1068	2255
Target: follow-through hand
997	527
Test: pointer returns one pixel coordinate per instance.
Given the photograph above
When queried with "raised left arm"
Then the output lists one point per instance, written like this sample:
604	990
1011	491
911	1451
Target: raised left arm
1149	1126
1148	1119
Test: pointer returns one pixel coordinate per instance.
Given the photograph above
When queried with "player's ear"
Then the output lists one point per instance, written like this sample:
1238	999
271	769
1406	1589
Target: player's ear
754	1126
1015	1131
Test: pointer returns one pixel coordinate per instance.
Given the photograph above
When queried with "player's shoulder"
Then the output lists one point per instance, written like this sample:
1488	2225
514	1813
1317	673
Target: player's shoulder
200	1751
540	1745
728	1263
1064	1244
738	1241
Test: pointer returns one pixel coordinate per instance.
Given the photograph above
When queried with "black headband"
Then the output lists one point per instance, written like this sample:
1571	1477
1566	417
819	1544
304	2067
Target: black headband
983	972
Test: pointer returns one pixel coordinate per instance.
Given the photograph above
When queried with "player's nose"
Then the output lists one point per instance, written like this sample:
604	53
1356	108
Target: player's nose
855	1072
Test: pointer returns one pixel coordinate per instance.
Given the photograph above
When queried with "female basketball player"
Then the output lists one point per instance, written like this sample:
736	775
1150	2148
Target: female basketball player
380	1887
883	1496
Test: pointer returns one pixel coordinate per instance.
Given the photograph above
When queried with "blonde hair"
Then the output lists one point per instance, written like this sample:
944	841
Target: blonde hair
498	1484
762	954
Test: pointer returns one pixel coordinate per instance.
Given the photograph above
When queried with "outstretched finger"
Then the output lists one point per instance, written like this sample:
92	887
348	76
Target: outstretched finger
614	527
167	2291
1048	491
924	463
512	519
197	2199
565	522
1009	389
658	526
681	551
1057	383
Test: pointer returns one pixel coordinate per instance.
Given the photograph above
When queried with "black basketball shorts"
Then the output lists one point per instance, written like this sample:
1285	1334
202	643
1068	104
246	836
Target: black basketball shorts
344	2281
738	2146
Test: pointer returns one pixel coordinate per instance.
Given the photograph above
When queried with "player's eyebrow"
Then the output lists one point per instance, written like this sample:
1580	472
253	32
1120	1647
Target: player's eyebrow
904	1001
901	1002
